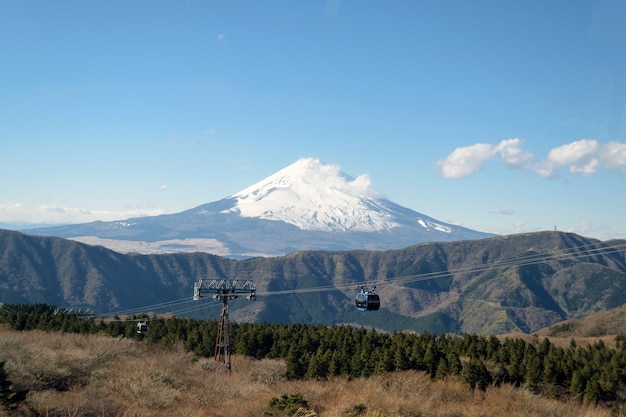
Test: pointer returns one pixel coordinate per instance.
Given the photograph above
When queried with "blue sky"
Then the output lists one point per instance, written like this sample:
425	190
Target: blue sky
502	116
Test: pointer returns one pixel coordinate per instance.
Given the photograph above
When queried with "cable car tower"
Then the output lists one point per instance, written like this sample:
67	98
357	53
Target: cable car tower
224	290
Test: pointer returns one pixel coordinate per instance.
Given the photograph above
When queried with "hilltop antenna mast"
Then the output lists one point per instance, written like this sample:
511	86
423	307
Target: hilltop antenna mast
224	290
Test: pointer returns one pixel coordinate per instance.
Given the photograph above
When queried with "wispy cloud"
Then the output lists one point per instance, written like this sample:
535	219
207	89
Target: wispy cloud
584	157
51	214
198	137
205	133
240	164
502	211
589	228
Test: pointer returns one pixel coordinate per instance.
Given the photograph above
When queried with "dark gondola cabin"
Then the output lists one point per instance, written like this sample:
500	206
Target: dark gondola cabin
142	327
367	300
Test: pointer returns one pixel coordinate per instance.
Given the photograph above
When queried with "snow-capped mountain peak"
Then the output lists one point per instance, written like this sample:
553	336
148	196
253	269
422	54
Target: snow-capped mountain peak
308	205
315	196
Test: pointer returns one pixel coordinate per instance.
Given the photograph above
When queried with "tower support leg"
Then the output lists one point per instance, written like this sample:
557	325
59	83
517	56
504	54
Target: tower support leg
222	343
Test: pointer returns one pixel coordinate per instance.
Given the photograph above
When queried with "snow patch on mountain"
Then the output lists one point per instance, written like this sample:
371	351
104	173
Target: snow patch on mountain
315	196
432	225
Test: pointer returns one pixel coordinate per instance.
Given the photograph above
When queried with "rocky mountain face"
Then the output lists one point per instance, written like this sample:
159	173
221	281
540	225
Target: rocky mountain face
495	285
308	205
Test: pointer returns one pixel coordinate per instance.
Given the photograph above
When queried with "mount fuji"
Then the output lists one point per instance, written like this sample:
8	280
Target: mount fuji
308	205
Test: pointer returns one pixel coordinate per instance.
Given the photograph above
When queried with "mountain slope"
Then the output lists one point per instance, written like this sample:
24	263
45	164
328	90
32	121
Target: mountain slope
608	322
305	206
490	286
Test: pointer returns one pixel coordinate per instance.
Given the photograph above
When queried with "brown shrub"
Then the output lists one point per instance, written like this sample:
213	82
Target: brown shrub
76	375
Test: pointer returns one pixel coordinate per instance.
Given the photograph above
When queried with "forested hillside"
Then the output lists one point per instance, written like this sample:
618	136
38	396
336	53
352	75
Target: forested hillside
591	373
518	283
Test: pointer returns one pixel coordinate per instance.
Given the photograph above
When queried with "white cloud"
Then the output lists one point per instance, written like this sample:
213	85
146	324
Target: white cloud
587	169
574	152
613	155
465	161
330	175
164	187
512	155
584	157
51	214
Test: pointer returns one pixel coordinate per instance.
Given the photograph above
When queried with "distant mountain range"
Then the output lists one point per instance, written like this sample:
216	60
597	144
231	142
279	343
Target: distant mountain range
308	205
514	283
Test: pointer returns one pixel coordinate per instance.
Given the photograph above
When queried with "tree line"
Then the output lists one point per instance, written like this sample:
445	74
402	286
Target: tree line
592	373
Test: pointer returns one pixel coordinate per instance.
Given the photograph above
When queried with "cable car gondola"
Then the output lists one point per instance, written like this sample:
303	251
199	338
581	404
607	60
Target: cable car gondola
142	327
367	300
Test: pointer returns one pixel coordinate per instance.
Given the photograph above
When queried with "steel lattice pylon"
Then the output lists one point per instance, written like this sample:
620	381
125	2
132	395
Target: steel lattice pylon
224	290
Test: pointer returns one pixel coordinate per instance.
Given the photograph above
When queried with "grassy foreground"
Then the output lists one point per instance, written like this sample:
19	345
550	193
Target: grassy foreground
77	375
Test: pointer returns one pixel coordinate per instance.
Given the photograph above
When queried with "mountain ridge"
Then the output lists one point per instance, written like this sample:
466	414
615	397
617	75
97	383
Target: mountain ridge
514	283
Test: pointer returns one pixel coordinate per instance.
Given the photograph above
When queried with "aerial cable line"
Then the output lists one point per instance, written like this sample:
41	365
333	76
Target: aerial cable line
524	260
148	308
520	261
531	259
197	307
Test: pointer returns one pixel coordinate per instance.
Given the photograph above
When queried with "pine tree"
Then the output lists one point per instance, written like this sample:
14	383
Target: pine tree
453	362
442	369
578	383
297	363
475	374
593	391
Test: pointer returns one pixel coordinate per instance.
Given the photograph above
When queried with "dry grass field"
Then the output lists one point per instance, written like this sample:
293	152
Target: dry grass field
78	376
